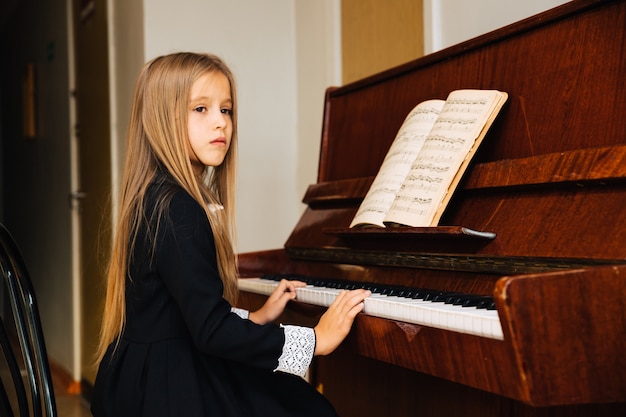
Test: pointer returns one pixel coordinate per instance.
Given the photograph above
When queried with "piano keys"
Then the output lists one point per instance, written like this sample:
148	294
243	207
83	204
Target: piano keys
545	192
464	313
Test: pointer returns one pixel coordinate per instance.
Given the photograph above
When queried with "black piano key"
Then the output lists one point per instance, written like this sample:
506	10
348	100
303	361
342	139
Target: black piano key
408	293
440	297
478	301
454	298
429	295
396	292
470	301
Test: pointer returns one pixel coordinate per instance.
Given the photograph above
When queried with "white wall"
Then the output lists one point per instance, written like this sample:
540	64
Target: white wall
318	66
454	21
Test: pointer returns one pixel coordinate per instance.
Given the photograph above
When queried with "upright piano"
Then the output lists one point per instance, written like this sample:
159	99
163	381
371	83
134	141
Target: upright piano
537	226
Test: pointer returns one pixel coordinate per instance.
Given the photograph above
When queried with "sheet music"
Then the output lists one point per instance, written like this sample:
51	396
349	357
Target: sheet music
397	163
448	145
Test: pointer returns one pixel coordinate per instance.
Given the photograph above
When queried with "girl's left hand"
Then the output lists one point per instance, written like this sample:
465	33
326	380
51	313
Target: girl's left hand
275	304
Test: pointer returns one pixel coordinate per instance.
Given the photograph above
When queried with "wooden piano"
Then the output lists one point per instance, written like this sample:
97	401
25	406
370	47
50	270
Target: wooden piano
549	182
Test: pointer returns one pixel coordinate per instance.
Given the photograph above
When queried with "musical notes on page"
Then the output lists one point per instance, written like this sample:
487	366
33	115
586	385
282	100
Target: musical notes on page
427	159
440	163
397	163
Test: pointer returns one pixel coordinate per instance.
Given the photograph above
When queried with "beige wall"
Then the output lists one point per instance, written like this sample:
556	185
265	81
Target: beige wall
379	34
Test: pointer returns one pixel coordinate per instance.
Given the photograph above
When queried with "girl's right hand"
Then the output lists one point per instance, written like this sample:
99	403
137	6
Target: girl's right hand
335	323
276	302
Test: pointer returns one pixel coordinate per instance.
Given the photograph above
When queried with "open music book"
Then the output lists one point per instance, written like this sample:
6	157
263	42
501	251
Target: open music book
427	159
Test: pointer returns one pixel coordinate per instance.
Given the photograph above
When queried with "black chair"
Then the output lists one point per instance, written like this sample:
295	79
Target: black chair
23	323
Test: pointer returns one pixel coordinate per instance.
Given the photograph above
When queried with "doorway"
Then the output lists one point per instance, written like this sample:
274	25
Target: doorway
93	152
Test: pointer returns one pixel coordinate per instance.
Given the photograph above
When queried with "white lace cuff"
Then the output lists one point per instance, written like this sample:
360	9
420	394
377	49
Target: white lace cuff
297	351
244	314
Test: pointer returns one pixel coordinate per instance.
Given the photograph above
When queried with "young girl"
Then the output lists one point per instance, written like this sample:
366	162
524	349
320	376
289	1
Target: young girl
171	342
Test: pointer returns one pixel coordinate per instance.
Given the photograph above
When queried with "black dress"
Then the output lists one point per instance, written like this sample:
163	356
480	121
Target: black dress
184	352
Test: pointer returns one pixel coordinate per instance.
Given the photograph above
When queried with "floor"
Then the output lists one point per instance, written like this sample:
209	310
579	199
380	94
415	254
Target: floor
72	405
68	404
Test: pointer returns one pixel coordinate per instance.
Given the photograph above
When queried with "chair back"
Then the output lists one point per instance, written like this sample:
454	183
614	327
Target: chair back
24	324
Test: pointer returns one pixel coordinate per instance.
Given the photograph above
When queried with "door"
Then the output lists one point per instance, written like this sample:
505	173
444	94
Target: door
93	196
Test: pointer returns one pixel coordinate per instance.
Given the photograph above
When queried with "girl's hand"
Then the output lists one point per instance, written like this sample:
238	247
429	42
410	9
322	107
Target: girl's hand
275	304
335	323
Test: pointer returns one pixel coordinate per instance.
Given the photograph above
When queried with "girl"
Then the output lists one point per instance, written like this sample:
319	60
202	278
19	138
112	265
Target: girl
171	342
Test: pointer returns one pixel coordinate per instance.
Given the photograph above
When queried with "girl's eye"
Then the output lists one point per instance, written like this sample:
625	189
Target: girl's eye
227	111
200	109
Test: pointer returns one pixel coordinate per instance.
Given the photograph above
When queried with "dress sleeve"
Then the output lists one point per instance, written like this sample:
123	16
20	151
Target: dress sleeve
185	259
298	350
244	314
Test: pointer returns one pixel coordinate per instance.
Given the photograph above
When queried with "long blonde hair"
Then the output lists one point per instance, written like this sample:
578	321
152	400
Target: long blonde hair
157	137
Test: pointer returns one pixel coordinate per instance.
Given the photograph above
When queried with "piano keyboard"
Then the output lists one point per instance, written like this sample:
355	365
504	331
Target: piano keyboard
464	313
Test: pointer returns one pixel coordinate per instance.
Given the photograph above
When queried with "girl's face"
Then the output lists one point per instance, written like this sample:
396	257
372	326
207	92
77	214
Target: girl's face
210	120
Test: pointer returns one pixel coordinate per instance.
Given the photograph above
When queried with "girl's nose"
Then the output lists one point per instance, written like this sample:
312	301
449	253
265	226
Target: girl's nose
220	120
